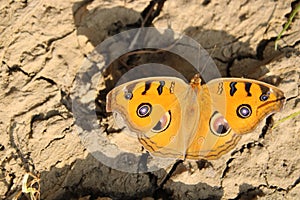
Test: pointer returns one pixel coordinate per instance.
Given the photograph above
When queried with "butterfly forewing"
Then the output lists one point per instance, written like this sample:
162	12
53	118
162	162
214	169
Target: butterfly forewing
247	102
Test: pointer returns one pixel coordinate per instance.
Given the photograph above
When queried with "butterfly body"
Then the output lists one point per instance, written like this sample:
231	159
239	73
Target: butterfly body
172	118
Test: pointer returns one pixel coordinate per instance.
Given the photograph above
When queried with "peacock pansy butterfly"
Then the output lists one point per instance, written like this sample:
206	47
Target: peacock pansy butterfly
172	118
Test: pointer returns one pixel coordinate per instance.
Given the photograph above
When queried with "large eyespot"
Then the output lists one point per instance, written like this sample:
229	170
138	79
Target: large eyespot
163	123
264	97
218	125
144	110
244	111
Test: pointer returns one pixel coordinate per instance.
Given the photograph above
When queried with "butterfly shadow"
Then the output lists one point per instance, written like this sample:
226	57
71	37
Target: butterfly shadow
90	179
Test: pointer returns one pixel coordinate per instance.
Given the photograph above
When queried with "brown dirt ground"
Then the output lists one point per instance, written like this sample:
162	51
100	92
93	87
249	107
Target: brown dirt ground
42	46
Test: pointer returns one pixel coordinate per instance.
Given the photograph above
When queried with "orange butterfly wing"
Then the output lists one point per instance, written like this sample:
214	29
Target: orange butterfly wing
158	111
231	107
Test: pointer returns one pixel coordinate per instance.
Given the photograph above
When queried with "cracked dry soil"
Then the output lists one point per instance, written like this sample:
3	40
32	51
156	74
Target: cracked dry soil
42	46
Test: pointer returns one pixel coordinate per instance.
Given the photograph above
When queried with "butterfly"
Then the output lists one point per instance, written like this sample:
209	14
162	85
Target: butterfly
176	119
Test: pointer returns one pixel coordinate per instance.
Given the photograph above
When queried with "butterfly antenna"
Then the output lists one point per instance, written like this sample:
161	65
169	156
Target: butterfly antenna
209	56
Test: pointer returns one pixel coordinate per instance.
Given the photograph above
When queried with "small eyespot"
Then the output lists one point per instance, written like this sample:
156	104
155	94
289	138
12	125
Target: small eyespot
163	123
264	97
128	95
219	125
244	111
144	110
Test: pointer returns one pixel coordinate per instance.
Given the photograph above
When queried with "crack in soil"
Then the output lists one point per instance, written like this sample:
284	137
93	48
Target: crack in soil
297	181
268	126
42	117
10	185
48	98
16	68
54	39
49	80
248	145
53	140
26	161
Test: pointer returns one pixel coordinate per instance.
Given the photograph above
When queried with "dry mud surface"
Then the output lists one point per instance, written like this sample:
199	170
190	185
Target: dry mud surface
43	45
